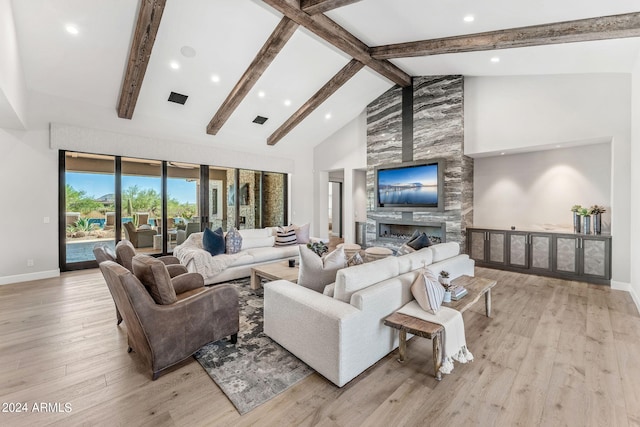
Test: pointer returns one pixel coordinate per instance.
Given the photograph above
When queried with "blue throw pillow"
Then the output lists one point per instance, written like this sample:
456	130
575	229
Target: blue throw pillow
213	241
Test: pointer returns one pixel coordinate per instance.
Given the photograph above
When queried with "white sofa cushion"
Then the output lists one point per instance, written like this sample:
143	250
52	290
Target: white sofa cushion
352	279
257	242
443	251
272	253
415	260
252	233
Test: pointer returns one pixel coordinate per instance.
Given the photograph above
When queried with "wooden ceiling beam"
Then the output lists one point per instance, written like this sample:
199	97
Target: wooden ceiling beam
263	59
144	36
313	7
591	29
318	98
337	36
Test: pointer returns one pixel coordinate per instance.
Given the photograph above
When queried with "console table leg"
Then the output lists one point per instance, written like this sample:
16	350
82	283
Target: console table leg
487	302
437	355
402	348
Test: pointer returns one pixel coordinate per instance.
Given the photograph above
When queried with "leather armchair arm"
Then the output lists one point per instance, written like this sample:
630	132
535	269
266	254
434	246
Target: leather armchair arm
169	260
187	282
176	270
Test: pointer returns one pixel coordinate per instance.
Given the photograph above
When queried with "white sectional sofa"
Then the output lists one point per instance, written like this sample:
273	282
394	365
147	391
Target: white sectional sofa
257	248
342	335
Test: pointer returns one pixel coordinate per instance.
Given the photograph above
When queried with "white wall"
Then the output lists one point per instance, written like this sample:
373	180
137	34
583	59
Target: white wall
360	195
536	190
29	193
635	183
13	93
503	113
346	150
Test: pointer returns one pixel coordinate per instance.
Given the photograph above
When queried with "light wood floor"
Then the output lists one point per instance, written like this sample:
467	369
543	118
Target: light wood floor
554	353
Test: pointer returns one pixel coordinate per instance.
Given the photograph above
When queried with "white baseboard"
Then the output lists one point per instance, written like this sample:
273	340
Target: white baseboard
7	280
624	286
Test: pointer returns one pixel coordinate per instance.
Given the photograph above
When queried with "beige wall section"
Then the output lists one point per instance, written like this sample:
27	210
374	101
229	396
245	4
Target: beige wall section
13	91
345	150
533	112
536	190
635	183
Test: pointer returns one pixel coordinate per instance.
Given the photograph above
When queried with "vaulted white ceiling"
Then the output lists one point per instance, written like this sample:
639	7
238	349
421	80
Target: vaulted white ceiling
88	68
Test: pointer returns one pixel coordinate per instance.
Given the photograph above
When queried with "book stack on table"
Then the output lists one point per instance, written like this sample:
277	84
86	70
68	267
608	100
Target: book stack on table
457	292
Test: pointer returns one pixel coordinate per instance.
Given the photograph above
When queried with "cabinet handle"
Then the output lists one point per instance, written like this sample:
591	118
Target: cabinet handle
578	243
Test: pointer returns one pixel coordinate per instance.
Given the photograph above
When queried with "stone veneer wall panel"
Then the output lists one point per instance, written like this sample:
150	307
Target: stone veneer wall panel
438	127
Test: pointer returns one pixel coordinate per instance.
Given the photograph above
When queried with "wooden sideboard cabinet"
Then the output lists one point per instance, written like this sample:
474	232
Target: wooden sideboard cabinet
581	257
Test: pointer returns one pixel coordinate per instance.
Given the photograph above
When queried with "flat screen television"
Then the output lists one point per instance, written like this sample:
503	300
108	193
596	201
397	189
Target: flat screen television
410	186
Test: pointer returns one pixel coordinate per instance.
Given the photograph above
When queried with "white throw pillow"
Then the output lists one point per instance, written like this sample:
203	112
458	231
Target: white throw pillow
315	272
302	233
427	291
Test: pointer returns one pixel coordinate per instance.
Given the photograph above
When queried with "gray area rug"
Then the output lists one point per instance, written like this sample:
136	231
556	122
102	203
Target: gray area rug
255	369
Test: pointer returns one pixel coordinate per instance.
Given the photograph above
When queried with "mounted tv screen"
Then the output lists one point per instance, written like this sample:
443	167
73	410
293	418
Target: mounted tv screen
410	185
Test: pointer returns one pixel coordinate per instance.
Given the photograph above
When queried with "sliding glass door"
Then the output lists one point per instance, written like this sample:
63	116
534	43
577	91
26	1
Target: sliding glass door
157	204
89	205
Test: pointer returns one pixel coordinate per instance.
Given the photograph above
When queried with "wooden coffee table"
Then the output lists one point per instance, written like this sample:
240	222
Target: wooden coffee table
273	271
476	287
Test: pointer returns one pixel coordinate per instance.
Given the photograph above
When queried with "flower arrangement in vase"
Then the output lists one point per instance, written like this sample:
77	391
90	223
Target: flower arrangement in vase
576	217
597	211
446	282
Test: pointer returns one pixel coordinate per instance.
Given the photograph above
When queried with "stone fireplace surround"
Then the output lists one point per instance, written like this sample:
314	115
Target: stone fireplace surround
427	124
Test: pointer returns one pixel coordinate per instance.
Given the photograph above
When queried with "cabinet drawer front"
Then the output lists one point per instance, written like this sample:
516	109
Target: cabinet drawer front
477	245
496	247
518	250
595	255
540	252
566	254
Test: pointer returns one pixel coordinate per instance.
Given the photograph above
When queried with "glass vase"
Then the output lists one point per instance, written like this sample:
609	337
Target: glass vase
586	224
576	222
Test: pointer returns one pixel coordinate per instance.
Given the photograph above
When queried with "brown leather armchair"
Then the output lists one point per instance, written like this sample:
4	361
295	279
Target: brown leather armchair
170	319
141	238
124	256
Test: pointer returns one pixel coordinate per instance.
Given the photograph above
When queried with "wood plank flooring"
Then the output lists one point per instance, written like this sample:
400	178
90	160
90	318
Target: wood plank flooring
554	353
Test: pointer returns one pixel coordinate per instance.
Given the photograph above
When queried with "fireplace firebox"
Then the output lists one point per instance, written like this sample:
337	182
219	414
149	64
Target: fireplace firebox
401	230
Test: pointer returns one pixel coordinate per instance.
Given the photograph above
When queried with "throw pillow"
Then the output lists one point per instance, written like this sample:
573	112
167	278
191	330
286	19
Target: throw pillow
153	274
233	241
414	236
420	242
315	272
319	248
302	233
427	291
213	241
285	236
356	259
144	227
405	249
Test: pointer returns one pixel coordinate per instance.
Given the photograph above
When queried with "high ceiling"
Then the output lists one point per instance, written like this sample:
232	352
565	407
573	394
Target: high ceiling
226	35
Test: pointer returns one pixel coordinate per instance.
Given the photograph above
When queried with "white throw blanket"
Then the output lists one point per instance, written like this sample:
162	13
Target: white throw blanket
191	251
455	343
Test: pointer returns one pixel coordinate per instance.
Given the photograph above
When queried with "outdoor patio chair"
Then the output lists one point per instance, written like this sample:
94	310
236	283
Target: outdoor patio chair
141	238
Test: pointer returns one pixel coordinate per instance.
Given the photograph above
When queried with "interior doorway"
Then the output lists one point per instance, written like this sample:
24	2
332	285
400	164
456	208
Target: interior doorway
335	203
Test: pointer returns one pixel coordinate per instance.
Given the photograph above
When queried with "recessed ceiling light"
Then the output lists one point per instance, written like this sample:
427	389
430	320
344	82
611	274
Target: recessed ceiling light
215	78
72	29
188	51
558	146
261	94
469	18
327	116
495	59
502	154
174	65
287	102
